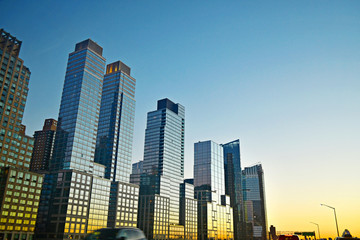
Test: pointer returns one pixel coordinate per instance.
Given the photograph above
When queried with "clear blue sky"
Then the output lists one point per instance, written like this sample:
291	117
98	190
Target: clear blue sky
283	76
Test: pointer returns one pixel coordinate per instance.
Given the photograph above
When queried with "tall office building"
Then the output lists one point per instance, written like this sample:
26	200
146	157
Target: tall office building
75	199
75	139
215	215
114	143
254	201
16	147
233	186
43	146
163	168
116	122
19	188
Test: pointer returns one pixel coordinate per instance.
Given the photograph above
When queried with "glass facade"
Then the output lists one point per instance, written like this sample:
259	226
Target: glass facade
215	221
233	185
75	190
77	204
99	204
75	139
123	208
154	216
42	220
116	122
71	204
87	186
188	209
99	170
114	143
215	215
255	205
219	221
137	169
209	168
164	157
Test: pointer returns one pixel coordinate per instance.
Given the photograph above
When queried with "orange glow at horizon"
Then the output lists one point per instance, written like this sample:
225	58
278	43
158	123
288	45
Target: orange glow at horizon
303	209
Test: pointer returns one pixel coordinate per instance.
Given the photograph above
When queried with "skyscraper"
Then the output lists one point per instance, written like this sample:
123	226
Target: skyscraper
43	147
114	143
215	216
90	169
233	186
75	139
116	123
163	168
16	147
75	199
254	200
19	188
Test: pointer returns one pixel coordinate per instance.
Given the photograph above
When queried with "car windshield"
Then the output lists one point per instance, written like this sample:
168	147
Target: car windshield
103	234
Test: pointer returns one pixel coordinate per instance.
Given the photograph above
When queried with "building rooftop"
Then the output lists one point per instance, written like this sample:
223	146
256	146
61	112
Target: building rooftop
90	44
9	43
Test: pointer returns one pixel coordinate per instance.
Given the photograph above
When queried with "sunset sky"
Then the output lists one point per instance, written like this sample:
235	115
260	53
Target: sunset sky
282	76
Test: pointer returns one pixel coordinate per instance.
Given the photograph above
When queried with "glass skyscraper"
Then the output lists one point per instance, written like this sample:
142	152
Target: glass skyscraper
233	186
88	186
215	215
209	168
116	122
114	143
163	167
255	205
75	139
75	198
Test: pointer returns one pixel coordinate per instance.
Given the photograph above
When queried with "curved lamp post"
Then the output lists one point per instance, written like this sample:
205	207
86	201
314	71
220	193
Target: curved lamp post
337	229
318	228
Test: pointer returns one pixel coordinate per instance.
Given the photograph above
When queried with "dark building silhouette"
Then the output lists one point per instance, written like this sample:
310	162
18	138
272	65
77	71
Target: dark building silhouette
272	233
43	146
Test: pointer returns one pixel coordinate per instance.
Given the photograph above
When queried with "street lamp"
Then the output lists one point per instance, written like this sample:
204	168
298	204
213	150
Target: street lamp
337	228
318	228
